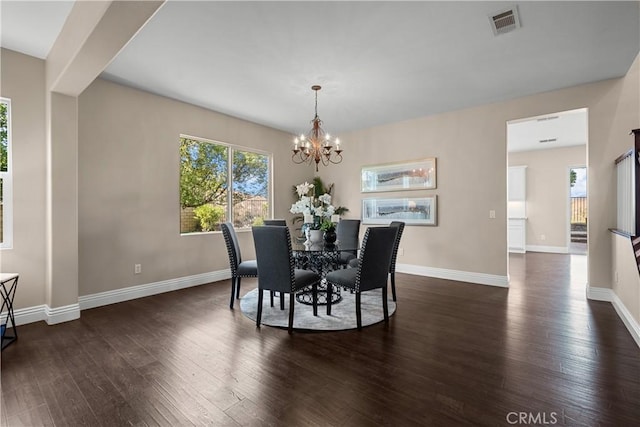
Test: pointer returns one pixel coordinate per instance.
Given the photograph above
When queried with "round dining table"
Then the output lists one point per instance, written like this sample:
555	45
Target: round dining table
321	258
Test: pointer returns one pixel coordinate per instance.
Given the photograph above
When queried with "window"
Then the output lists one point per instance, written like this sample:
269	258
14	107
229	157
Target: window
6	187
220	181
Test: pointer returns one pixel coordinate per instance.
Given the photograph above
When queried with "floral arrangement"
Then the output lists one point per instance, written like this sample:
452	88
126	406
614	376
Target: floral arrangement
318	212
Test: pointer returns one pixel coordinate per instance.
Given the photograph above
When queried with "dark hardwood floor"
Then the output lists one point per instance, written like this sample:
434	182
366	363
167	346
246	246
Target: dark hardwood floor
453	354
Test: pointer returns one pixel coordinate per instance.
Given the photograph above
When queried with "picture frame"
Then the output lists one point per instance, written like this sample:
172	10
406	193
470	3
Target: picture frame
409	175
411	210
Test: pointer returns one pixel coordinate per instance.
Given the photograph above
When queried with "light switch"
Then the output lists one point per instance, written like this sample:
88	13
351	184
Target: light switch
492	214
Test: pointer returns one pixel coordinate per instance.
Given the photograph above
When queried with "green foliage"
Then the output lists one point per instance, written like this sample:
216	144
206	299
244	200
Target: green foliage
3	137
204	178
250	175
319	188
210	216
327	225
257	221
572	177
203	173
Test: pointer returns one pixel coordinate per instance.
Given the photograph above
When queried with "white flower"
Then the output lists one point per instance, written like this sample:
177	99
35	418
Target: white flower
303	189
298	207
325	198
310	206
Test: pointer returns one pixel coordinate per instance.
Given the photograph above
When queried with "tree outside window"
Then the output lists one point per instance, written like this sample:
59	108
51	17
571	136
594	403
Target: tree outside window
5	175
4	140
219	181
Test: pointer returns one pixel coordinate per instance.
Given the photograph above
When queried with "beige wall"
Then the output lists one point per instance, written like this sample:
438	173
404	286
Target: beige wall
23	81
128	186
548	192
624	274
471	179
472	159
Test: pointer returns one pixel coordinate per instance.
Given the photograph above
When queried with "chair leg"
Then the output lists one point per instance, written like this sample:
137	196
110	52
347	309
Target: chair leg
314	291
271	297
291	303
259	313
238	287
385	305
281	300
358	311
329	297
393	284
233	291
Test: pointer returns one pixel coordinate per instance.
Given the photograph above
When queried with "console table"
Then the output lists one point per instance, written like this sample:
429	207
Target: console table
8	285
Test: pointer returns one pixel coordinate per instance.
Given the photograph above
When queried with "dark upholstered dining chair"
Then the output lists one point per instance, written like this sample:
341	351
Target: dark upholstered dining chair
276	269
279	222
399	225
392	267
372	271
348	235
238	267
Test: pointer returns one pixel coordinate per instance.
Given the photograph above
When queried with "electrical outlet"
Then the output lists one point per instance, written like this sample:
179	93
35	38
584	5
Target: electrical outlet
137	269
543	237
400	251
492	214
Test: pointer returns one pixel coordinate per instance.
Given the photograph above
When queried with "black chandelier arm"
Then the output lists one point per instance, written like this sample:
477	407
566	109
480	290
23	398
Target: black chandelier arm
299	157
332	157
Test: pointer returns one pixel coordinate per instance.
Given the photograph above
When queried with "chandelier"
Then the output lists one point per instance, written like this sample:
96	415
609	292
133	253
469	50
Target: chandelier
317	145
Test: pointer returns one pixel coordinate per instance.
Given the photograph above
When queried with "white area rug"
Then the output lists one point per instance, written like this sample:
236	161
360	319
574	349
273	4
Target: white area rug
343	314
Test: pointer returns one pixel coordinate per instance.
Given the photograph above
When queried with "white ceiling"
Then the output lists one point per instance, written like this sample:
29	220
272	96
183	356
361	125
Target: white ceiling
378	62
31	27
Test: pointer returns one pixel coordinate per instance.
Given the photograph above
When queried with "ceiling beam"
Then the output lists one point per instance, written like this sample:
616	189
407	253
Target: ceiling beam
93	34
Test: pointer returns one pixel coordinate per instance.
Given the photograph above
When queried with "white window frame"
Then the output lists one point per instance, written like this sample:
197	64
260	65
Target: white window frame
230	149
7	187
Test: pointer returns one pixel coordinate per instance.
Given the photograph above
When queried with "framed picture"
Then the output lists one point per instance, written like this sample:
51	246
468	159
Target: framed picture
413	175
412	211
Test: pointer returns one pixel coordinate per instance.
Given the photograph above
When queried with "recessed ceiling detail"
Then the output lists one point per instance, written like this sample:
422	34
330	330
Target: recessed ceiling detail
544	119
551	131
505	21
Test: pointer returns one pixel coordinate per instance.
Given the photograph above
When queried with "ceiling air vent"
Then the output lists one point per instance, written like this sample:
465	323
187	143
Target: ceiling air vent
504	21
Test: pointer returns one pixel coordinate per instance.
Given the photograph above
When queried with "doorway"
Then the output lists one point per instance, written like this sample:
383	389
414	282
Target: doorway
578	210
552	150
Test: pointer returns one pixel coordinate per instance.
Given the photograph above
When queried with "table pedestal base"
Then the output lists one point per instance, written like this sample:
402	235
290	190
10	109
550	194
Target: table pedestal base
306	295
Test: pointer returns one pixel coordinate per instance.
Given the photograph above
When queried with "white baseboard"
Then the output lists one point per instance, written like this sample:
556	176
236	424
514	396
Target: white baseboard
62	314
599	294
133	292
27	315
67	313
606	294
548	249
50	315
460	276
